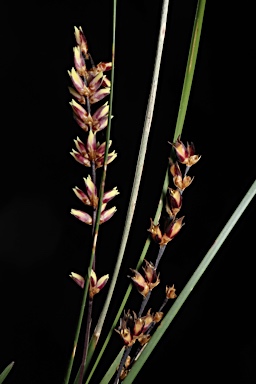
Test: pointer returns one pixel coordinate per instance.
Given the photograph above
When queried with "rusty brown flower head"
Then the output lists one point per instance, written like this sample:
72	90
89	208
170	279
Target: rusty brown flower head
170	232
185	155
148	282
170	292
151	277
133	328
179	181
174	202
155	231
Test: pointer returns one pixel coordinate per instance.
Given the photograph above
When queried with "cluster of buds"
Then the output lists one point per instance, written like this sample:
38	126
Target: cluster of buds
170	232
92	151
185	155
150	280
87	85
91	198
95	285
133	328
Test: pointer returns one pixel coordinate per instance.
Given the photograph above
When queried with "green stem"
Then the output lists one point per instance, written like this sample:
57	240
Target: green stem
86	340
92	346
191	284
118	315
189	74
138	172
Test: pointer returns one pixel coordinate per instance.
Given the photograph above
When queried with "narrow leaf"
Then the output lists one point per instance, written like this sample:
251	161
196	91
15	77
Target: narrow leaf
112	369
6	372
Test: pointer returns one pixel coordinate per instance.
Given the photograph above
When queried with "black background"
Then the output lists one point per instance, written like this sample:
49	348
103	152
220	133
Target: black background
212	338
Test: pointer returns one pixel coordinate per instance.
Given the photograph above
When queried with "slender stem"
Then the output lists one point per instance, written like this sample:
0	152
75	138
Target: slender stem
163	305
159	256
191	63
122	362
86	339
139	168
144	303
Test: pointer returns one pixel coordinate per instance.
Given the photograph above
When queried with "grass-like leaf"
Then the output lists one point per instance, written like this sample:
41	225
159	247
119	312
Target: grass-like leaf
6	372
112	369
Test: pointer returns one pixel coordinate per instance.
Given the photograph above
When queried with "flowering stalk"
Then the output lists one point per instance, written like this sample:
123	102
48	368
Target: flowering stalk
87	90
146	283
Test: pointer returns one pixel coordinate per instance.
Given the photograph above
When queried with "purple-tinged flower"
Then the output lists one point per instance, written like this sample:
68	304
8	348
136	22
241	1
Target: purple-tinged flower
82	196
81	41
96	285
109	195
80	98
172	230
106	215
80	158
82	216
79	111
96	82
99	95
79	61
106	82
91	191
100	160
78	83
91	198
140	283
92	152
100	118
91	146
77	279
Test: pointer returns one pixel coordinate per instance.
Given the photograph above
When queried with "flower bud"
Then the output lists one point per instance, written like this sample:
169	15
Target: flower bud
81	41
140	283
82	216
172	230
155	232
95	284
77	278
170	292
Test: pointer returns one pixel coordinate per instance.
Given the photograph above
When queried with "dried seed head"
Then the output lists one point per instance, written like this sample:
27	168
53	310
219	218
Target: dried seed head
170	292
155	231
